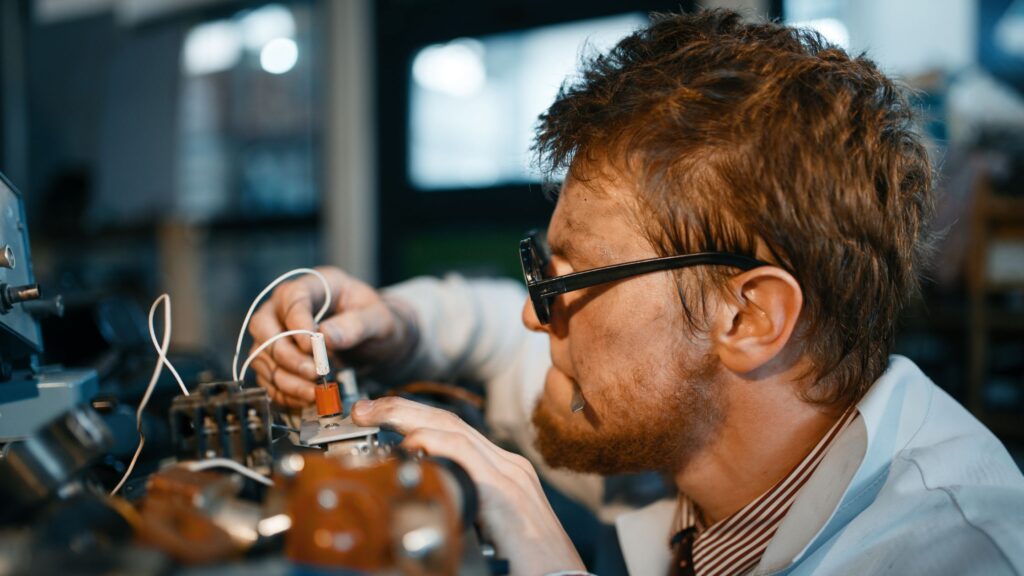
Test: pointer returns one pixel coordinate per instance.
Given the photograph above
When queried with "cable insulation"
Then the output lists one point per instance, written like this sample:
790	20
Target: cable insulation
252	308
198	465
160	363
265	345
156	346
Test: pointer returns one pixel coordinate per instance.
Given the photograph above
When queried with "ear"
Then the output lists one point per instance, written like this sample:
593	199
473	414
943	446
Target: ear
753	326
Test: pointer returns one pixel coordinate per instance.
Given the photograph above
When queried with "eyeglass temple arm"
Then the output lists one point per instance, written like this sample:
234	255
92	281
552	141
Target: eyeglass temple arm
587	278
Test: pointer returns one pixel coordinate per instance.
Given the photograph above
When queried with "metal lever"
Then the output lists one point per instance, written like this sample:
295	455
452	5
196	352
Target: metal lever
45	308
11	295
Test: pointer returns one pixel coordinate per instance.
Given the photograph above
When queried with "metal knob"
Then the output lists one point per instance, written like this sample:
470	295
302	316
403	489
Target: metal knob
11	295
16	294
45	308
7	257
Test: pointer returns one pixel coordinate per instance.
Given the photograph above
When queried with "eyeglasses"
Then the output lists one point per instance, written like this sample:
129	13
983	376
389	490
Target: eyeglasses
535	257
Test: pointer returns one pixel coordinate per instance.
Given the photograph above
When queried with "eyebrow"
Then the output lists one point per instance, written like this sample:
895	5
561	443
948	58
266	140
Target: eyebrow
565	249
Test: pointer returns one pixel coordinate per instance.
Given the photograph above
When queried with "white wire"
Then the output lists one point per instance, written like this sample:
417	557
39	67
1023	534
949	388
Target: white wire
161	352
259	298
262	347
156	346
196	466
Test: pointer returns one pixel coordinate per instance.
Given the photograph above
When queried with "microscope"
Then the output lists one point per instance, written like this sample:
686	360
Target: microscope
30	394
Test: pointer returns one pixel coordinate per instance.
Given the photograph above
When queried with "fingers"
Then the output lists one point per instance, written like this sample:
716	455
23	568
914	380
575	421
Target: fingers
278	397
361	317
360	314
513	507
407	417
283	387
441	433
459	448
265	325
296	302
295	386
354	327
404	416
293	303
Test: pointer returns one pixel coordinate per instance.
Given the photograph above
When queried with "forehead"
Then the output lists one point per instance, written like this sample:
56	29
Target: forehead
580	206
596	215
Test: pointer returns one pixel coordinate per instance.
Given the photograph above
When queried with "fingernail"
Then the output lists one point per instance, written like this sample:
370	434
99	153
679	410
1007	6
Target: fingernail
363	407
307	369
334	335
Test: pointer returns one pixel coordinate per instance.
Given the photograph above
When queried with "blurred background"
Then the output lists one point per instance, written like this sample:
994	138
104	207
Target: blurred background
202	147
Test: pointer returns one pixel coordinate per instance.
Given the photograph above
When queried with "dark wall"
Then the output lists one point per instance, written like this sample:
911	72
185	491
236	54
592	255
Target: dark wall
68	65
101	120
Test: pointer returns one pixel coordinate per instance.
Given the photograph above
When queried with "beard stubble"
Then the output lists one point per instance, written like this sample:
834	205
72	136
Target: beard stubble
646	429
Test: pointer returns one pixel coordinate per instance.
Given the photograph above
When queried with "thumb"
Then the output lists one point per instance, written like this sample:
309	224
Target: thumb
354	327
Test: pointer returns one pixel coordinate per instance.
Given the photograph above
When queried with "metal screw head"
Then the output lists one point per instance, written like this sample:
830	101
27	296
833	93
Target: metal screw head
292	464
421	542
409	475
7	257
327	499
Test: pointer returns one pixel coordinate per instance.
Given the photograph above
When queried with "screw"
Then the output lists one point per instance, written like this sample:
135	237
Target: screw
327	499
292	464
409	475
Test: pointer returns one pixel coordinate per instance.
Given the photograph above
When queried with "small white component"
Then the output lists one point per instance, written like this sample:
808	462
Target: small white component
349	388
323	367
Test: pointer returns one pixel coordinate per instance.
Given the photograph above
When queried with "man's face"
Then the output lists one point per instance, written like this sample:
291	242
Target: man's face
651	397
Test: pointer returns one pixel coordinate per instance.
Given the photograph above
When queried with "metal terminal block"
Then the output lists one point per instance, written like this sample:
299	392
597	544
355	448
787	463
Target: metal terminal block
222	420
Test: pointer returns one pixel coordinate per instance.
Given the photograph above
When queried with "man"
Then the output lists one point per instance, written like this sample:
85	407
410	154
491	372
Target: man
755	374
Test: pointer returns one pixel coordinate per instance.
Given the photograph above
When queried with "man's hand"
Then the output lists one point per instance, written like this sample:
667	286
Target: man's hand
365	330
513	507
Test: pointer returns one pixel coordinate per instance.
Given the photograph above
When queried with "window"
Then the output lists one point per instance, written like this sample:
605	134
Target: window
248	116
474	102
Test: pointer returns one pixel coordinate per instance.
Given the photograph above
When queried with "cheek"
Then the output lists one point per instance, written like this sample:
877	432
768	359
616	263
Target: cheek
628	337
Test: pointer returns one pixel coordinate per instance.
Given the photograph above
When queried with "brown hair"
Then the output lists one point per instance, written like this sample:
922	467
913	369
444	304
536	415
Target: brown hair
759	139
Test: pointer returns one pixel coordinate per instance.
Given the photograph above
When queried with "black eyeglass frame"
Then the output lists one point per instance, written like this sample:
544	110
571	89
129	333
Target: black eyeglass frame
535	259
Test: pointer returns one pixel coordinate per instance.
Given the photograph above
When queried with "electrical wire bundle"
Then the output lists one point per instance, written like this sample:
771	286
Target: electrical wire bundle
238	375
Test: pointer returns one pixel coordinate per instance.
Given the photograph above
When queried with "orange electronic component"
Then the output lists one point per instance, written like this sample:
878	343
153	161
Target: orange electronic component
392	514
328	403
172	521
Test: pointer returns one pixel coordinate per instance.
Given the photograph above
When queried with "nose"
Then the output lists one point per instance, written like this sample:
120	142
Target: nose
530	319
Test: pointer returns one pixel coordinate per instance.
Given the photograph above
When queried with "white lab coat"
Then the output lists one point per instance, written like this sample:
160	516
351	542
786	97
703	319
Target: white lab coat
915	485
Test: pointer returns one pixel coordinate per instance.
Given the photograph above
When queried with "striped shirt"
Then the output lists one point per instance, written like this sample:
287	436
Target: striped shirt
735	545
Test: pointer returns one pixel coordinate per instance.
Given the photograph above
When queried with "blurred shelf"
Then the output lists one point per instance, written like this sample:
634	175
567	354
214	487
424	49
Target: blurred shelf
1005	210
992	318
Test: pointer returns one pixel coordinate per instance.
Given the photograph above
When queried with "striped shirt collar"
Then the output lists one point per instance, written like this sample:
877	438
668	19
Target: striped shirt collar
735	545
